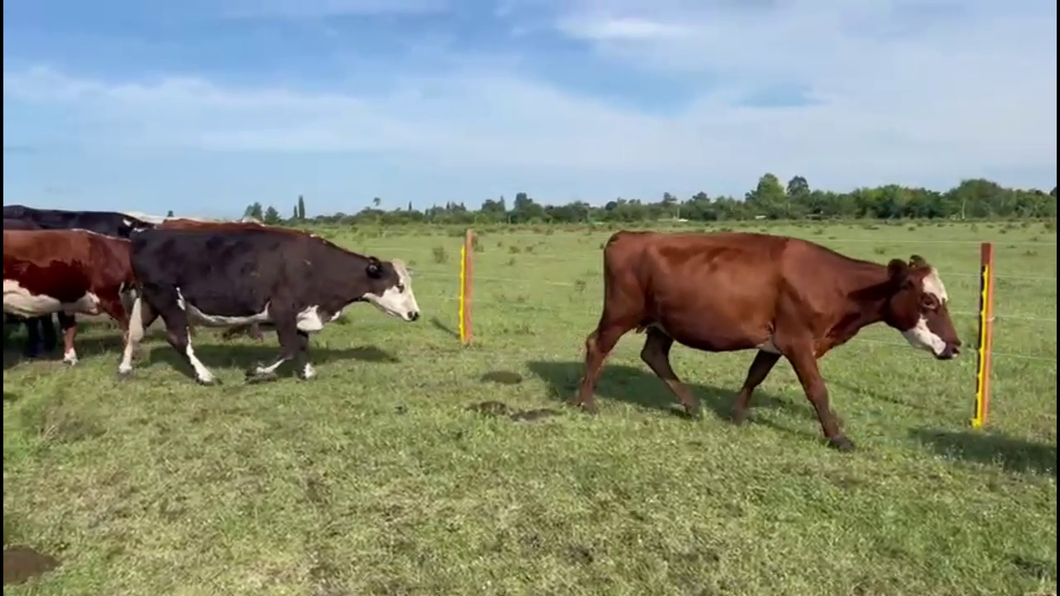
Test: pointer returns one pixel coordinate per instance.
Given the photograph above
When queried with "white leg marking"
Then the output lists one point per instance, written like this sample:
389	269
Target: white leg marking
922	338
70	356
308	372
268	370
134	335
204	375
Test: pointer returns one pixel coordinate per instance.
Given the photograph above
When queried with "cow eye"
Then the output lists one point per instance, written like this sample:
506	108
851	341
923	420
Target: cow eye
401	288
929	302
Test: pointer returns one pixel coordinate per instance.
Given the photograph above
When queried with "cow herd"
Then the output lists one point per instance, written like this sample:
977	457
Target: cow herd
715	292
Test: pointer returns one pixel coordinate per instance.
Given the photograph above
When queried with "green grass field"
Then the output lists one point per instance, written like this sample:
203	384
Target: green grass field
375	478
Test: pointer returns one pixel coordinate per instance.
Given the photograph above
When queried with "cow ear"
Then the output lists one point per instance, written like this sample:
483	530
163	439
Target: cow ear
917	262
898	270
375	268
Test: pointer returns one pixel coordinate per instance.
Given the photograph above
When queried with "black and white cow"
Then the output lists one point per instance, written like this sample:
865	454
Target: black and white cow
282	278
108	223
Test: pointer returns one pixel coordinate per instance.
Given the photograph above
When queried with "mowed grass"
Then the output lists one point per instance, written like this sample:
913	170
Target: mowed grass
374	478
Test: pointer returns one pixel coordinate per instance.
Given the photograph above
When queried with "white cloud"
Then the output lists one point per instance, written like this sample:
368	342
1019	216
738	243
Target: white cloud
902	97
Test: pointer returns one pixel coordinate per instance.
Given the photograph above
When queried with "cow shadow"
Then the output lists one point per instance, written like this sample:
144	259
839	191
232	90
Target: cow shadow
87	347
244	356
642	388
439	325
1011	454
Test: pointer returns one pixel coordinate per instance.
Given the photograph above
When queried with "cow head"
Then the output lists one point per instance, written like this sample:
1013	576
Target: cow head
919	308
390	288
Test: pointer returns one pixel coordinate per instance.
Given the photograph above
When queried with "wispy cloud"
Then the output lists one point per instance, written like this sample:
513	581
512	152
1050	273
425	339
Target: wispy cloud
853	92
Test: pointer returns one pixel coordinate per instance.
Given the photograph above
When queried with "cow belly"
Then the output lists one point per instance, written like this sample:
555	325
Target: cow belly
20	301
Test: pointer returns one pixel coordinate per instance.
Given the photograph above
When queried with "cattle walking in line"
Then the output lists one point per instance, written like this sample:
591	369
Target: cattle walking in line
108	223
738	291
66	271
291	281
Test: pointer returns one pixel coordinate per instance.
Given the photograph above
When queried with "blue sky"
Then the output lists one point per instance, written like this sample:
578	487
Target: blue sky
204	106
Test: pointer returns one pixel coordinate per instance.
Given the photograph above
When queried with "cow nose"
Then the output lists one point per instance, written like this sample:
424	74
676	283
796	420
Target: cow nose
414	316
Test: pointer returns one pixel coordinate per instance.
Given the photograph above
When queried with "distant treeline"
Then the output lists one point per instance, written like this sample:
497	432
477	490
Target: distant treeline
971	199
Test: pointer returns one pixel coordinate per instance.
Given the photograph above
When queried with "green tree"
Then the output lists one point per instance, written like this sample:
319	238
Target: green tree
300	209
169	213
272	216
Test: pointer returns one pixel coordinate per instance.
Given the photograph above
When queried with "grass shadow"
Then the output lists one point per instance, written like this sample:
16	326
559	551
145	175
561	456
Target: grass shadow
439	325
640	387
87	347
243	356
1014	455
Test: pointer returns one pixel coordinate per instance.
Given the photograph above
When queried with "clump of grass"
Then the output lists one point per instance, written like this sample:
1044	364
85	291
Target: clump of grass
440	254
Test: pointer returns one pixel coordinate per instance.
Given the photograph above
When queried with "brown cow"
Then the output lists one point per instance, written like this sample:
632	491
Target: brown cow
740	291
69	271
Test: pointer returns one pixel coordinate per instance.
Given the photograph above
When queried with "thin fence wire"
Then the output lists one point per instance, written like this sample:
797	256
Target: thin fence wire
1051	280
536	307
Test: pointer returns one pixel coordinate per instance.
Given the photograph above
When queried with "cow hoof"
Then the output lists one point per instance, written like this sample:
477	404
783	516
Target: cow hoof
739	416
254	377
841	443
694	411
586	408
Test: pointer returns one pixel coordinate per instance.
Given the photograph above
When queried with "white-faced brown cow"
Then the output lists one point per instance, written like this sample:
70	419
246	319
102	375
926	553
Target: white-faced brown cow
66	271
741	291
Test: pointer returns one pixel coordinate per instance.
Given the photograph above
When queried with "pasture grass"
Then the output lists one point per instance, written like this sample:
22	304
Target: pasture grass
375	478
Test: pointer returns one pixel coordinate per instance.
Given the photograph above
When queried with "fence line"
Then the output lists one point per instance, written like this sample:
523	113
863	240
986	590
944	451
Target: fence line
986	319
498	303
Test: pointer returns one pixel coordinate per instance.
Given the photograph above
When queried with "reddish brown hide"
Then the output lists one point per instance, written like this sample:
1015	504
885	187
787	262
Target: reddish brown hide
74	271
739	291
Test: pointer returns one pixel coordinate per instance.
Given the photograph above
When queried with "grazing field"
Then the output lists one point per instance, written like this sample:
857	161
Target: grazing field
376	478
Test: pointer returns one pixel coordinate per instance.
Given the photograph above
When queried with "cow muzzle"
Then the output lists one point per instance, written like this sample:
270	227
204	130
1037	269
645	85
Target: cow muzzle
412	316
949	352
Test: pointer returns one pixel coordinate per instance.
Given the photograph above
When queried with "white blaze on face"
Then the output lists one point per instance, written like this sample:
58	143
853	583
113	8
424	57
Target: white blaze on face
921	336
397	300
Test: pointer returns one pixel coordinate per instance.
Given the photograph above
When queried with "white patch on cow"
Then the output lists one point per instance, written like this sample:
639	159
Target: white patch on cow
932	284
268	370
198	317
309	320
308	372
397	300
20	301
335	316
201	372
70	356
922	338
127	223
768	346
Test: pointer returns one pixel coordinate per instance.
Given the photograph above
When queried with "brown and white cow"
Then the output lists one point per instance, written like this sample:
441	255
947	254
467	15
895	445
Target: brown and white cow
739	291
69	271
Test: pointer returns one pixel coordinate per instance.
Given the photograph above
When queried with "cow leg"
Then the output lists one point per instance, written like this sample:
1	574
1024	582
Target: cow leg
177	331
33	336
598	345
305	369
68	325
656	354
759	370
49	340
805	364
141	315
290	347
